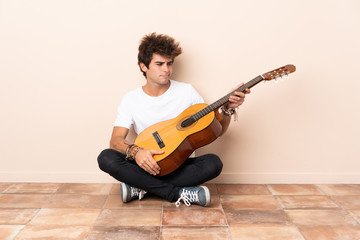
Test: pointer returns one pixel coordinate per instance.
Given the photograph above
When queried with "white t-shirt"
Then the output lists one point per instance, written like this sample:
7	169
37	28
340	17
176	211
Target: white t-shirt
141	110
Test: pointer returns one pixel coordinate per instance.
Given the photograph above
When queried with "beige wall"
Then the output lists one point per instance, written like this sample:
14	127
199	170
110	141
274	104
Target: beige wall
64	66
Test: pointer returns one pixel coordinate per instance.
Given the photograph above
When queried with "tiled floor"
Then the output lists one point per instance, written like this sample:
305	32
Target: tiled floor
256	212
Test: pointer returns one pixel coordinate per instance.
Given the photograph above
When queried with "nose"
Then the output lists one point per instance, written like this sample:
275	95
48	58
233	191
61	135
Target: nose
165	68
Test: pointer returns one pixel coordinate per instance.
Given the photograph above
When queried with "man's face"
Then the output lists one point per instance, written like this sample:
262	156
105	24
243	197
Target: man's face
159	71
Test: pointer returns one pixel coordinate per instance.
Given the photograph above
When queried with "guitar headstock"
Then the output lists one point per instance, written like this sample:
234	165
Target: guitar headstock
279	72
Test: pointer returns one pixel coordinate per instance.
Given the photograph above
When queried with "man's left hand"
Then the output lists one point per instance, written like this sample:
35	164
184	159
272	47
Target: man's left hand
237	99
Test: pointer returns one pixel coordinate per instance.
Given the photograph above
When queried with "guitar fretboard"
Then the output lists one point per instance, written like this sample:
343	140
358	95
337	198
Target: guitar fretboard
224	99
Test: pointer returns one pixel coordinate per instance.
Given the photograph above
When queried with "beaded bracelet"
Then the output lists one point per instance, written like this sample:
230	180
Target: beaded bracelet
228	111
128	151
131	151
134	152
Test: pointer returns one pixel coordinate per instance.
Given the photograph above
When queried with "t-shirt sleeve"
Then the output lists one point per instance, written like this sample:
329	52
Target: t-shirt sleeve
124	118
196	98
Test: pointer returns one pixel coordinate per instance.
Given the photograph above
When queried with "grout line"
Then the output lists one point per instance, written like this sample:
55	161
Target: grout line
348	212
161	218
57	190
269	188
101	210
320	190
3	191
223	211
283	209
108	195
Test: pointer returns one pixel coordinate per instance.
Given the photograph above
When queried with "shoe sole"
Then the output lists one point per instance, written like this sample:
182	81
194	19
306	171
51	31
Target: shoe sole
123	192
207	195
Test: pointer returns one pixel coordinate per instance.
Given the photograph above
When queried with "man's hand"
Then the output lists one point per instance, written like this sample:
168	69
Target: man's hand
144	158
238	99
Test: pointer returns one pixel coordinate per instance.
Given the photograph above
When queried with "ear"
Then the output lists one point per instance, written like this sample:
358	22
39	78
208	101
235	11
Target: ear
143	67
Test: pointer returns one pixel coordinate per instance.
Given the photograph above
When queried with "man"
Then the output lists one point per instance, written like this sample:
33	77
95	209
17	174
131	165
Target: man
158	100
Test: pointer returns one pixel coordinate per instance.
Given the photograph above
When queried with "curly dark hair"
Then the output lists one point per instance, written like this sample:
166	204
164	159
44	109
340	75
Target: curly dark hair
161	44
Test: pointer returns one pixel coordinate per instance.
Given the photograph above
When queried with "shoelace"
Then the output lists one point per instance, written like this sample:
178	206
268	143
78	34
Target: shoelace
141	194
137	192
188	197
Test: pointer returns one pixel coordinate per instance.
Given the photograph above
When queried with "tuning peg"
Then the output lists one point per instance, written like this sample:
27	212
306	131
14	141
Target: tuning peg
287	75
276	80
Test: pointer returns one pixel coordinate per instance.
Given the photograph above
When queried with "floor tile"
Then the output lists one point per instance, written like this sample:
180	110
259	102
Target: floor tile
133	233
250	211
76	201
115	202
242	189
340	189
215	203
83	188
212	188
294	189
23	200
348	233
193	217
260	232
54	232
9	231
115	188
293	202
44	188
129	217
321	218
195	233
348	202
65	216
16	216
245	202
4	186
355	214
264	217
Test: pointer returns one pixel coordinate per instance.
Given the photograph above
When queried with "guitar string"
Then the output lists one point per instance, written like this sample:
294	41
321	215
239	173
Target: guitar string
224	99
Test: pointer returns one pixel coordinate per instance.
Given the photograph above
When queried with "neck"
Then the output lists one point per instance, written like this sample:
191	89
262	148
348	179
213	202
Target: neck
155	90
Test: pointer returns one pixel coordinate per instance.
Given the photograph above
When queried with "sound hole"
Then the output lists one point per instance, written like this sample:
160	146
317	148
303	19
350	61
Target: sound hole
185	123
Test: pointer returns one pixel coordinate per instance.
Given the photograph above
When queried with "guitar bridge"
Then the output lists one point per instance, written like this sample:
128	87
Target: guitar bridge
158	140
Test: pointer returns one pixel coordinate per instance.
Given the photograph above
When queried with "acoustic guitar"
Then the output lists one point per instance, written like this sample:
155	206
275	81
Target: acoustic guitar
195	127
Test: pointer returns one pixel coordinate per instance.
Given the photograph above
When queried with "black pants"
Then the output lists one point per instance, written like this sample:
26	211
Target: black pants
193	172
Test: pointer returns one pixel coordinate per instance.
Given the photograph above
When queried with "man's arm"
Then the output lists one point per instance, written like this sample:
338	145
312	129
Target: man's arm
143	158
118	139
234	102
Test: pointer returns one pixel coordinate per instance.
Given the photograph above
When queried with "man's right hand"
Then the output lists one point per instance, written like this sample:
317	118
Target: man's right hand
144	158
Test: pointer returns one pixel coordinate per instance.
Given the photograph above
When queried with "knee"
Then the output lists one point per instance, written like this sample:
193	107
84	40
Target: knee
216	164
105	159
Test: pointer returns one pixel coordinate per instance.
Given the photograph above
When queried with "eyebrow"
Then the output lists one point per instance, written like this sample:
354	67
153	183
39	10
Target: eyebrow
161	62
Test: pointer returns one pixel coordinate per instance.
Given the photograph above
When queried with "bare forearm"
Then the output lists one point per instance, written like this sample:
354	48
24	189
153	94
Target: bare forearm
119	144
225	122
142	157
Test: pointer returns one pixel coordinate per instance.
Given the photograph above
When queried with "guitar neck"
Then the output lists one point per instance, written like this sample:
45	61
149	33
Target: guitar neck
226	98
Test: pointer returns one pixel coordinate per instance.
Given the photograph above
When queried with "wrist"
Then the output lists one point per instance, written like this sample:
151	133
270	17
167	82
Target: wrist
131	151
227	111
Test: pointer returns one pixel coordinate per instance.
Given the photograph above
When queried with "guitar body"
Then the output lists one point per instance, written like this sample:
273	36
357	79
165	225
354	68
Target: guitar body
179	142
